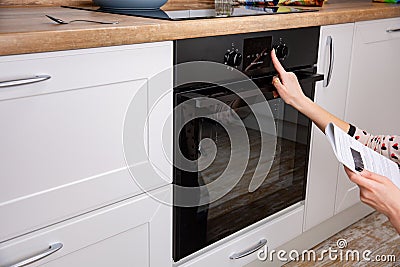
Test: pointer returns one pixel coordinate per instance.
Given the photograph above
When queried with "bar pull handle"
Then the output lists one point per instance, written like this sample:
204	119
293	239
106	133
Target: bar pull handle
329	42
393	30
248	251
52	249
35	79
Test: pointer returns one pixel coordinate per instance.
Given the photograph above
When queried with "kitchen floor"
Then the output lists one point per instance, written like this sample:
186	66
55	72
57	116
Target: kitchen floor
373	233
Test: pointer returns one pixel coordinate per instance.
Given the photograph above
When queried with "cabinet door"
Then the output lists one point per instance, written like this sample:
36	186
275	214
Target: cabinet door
373	95
334	62
62	151
135	232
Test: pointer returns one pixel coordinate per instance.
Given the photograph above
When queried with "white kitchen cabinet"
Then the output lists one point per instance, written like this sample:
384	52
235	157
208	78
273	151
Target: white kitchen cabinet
334	62
134	232
372	102
61	139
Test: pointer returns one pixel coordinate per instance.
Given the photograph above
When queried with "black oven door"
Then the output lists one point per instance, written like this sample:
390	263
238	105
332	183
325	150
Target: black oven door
283	186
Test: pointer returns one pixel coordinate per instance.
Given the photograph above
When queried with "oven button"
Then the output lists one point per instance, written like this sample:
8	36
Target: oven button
232	58
281	51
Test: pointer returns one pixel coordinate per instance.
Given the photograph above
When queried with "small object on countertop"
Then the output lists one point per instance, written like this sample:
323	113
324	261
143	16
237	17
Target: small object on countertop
302	2
60	21
130	4
387	1
257	2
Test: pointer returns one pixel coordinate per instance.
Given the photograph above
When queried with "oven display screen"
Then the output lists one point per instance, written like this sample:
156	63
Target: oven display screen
256	56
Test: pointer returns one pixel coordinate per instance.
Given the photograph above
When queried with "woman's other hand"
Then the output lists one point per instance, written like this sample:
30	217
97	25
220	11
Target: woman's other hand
286	84
380	193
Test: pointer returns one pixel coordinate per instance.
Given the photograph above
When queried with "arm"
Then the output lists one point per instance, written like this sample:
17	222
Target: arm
290	91
386	145
380	193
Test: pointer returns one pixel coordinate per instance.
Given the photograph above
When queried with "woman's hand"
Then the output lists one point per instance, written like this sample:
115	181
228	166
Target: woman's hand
290	91
287	84
380	193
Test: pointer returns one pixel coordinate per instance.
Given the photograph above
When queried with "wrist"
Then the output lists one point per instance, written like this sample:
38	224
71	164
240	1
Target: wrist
394	218
302	104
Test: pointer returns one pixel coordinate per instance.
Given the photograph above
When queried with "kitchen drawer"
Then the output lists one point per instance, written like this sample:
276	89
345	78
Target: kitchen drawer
83	68
278	230
378	30
135	232
62	152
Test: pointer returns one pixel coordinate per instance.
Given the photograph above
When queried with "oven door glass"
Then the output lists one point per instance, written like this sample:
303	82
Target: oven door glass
283	185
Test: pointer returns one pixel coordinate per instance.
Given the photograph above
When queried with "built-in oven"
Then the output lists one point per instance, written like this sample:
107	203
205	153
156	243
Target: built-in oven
235	129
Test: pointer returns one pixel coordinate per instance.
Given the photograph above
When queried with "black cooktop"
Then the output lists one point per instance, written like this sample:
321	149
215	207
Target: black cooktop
231	11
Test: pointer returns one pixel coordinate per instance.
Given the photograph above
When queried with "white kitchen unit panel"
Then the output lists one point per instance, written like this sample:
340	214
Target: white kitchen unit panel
82	68
374	79
348	193
372	102
334	62
278	230
62	150
160	121
134	232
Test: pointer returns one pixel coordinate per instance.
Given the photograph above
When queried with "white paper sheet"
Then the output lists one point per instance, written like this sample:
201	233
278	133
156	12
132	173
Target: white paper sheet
357	156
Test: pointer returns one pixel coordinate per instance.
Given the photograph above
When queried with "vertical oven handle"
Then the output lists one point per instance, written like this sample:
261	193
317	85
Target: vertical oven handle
329	42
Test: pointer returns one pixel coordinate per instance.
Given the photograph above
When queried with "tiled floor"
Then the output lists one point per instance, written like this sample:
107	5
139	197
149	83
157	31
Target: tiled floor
373	233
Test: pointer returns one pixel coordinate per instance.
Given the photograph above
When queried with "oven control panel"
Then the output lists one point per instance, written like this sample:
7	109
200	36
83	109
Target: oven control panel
250	52
233	57
281	49
256	52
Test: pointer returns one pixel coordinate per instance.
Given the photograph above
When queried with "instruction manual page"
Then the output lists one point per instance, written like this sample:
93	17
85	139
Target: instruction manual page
356	156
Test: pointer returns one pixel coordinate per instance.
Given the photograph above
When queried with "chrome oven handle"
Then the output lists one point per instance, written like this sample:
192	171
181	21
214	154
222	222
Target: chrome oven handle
248	251
329	42
35	79
393	30
52	249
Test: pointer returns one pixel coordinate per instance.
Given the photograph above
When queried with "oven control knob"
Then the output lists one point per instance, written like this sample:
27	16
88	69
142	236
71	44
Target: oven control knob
232	58
281	51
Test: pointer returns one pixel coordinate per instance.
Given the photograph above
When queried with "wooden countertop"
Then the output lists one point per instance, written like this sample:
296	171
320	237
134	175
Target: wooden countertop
26	30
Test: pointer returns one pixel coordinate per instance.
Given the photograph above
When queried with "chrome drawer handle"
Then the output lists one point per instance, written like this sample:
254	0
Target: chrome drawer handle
53	248
393	30
36	79
248	251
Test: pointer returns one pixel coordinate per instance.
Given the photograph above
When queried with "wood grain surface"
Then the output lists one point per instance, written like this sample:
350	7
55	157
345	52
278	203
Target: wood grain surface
373	233
27	30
